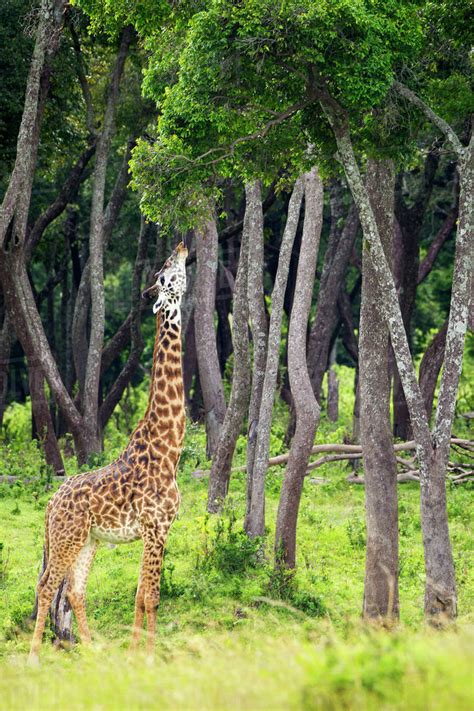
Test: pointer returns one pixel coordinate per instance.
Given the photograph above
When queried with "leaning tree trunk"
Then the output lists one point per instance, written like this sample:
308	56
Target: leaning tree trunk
332	279
206	345
430	367
258	321
440	590
234	417
255	522
380	466
406	267
306	406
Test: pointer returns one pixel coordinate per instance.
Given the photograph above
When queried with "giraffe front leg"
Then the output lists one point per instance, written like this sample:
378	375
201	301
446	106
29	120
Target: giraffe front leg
154	544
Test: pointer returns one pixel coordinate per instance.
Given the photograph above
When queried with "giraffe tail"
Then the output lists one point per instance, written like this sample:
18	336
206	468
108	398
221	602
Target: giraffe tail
44	565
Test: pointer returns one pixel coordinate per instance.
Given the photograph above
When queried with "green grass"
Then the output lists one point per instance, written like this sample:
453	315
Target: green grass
231	635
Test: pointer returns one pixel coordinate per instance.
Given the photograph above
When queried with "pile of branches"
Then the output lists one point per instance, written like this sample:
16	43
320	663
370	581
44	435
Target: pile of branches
457	472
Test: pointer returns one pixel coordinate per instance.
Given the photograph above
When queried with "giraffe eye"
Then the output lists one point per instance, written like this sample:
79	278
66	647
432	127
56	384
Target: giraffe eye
162	281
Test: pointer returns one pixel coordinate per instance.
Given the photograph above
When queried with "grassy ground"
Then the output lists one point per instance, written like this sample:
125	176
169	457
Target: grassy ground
232	635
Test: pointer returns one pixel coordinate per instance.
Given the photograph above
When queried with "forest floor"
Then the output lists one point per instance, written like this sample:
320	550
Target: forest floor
231	633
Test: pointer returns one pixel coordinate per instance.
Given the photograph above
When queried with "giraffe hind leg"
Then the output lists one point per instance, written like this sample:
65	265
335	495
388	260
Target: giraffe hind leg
139	612
76	589
47	588
62	556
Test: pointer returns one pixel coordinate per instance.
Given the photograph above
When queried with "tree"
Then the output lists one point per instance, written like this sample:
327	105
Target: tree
255	521
305	403
258	321
380	466
278	76
236	410
205	335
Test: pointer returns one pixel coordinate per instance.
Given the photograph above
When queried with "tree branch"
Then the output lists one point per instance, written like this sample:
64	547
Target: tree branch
66	194
447	227
440	123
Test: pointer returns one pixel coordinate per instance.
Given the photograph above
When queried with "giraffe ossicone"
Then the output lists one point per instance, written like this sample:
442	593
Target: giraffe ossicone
136	496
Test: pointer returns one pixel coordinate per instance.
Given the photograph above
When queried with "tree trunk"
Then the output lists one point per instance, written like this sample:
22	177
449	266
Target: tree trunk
205	335
430	367
258	322
333	385
223	308
306	406
16	202
380	466
334	269
407	262
96	249
440	591
5	348
235	414
136	346
42	418
189	360
336	259
255	523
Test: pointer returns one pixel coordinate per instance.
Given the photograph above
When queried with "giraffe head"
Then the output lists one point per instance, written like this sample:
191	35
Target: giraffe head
170	281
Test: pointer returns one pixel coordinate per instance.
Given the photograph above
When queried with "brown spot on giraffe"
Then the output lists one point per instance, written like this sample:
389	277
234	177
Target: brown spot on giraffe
134	497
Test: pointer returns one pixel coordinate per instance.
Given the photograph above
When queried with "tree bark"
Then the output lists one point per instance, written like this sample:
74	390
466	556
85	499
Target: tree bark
235	414
205	335
380	466
255	523
258	322
305	403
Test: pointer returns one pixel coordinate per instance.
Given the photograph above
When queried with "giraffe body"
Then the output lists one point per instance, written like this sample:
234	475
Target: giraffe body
137	495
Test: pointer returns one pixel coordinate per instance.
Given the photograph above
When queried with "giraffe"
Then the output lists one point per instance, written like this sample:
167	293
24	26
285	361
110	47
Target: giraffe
136	496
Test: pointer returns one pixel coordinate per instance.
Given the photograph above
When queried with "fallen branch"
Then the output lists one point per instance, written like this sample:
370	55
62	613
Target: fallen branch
340	449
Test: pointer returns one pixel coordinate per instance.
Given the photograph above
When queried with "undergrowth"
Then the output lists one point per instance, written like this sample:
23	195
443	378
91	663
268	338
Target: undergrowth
234	632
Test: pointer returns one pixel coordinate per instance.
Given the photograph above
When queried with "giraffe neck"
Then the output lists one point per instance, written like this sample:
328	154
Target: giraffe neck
166	374
162	427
